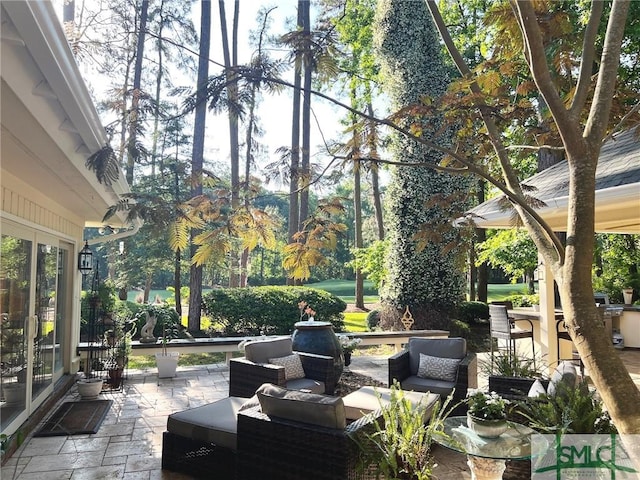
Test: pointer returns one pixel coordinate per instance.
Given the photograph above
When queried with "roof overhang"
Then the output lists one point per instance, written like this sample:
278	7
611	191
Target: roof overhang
49	122
617	206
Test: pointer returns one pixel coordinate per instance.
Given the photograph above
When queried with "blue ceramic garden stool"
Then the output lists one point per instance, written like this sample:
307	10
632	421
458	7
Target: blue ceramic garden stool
319	338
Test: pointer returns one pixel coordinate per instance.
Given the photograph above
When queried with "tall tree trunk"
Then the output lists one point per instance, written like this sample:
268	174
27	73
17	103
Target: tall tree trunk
305	164
375	181
482	271
294	195
156	108
230	61
195	281
134	116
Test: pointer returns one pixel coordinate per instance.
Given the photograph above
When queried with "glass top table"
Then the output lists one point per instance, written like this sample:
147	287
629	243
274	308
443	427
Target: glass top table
486	456
514	444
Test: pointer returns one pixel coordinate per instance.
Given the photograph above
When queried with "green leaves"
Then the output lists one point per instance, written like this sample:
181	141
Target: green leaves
105	165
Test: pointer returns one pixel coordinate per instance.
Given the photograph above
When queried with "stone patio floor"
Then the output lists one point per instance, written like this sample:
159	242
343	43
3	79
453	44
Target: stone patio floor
128	445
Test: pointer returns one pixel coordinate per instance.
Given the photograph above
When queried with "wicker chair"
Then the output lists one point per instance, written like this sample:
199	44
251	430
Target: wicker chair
246	374
403	368
274	448
502	329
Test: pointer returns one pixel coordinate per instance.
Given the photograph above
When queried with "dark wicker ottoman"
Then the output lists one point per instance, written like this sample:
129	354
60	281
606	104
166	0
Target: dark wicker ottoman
202	441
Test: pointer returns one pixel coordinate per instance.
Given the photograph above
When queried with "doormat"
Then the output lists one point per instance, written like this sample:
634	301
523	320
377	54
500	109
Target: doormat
74	418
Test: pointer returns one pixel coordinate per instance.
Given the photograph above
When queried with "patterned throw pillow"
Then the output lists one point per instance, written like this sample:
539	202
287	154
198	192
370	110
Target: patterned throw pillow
438	368
292	366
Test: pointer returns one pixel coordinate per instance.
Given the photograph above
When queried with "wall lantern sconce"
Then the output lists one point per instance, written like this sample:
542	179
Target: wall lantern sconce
85	259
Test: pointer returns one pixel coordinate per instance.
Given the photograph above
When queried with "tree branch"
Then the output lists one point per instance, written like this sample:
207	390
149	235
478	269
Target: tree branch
532	39
588	55
539	227
610	60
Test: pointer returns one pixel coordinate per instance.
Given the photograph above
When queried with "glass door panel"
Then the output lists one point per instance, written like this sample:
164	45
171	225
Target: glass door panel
43	329
15	286
62	310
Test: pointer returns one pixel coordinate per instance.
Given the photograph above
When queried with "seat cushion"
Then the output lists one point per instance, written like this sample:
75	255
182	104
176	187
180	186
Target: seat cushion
292	366
436	347
418	384
313	386
368	399
438	368
215	422
321	410
260	351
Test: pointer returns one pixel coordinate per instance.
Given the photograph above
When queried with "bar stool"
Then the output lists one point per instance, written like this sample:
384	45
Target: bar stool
502	329
564	335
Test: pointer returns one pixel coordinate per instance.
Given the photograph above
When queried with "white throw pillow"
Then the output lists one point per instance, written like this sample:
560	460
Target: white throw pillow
292	366
438	368
565	374
536	389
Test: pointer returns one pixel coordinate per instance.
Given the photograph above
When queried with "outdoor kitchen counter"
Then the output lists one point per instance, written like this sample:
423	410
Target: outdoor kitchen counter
630	326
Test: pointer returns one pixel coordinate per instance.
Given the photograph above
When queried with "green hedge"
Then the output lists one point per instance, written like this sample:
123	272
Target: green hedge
268	310
473	312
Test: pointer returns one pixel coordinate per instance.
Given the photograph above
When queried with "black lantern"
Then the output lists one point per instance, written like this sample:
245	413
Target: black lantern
85	259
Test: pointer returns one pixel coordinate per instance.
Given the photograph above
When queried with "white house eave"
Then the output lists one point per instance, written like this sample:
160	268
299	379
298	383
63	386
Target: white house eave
35	27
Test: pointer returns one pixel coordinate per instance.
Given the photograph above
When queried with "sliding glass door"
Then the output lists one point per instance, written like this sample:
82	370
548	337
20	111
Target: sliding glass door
35	308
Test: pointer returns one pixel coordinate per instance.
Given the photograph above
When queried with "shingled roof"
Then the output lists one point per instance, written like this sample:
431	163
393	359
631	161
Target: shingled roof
617	190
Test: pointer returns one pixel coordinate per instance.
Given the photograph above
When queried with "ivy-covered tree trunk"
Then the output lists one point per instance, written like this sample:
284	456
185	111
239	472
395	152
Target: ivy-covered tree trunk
419	200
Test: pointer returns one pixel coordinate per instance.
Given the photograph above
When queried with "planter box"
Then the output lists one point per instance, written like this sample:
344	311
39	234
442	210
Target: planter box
512	387
167	364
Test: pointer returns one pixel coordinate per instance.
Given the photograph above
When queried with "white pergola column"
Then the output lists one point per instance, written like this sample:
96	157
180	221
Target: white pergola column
548	337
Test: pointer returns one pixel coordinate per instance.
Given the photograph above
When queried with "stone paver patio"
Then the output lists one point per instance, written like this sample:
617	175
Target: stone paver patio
128	445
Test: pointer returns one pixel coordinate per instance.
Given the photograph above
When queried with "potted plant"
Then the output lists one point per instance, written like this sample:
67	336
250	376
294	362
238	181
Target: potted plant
511	375
348	345
168	320
121	351
487	413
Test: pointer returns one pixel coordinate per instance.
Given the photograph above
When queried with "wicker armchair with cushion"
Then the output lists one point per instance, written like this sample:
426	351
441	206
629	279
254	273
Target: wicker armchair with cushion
295	435
436	365
274	361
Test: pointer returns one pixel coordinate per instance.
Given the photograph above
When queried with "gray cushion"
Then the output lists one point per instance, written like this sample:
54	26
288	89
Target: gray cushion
313	386
418	384
304	407
292	366
215	422
439	368
368	399
436	347
260	351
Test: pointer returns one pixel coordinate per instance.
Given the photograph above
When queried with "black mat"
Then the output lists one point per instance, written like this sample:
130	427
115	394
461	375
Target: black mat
74	418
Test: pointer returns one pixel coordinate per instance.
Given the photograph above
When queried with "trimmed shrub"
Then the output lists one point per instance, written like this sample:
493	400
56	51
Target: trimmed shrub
473	312
458	328
373	319
269	310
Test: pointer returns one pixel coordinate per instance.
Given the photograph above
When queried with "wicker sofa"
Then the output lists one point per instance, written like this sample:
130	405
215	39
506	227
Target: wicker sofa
277	434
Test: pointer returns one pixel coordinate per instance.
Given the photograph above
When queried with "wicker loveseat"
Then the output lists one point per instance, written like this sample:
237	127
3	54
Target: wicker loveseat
246	374
277	434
